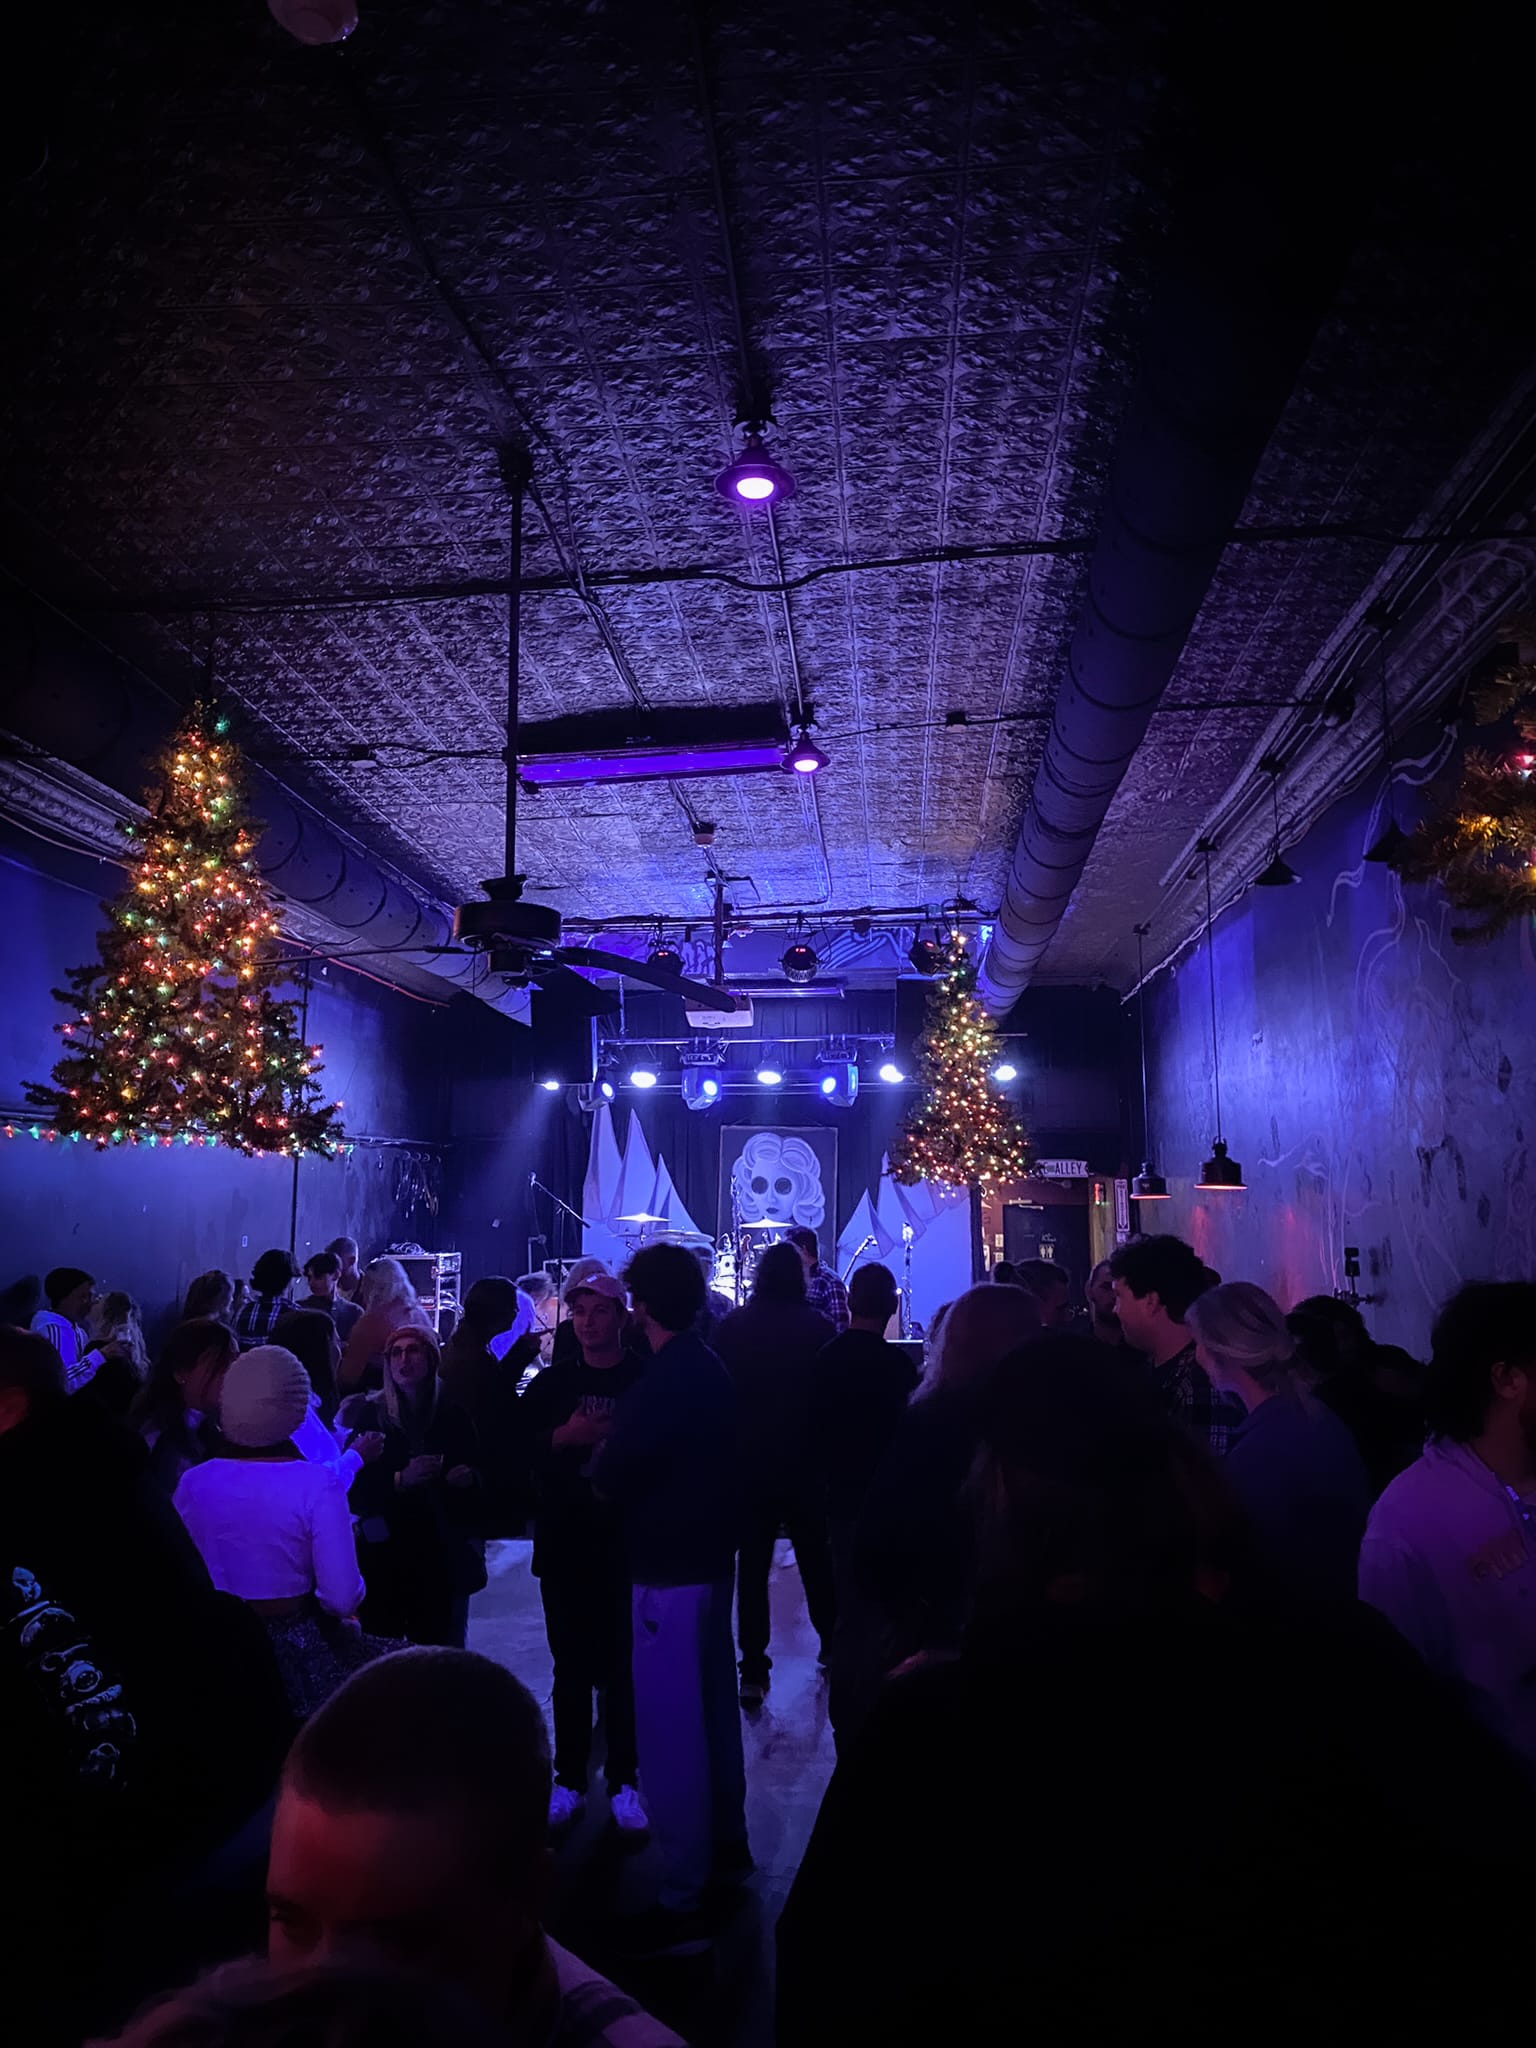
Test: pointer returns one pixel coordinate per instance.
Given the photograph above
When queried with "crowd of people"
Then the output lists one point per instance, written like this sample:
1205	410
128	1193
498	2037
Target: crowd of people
1080	1542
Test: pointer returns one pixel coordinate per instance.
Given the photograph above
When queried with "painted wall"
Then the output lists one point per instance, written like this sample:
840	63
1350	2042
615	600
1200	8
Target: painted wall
147	1218
1378	1085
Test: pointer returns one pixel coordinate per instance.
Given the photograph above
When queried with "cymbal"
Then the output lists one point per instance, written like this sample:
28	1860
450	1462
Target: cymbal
765	1223
644	1217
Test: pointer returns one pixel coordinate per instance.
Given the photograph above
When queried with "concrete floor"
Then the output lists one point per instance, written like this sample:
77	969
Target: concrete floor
726	2000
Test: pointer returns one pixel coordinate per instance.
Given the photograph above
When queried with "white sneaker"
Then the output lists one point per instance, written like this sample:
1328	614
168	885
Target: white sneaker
629	1816
565	1806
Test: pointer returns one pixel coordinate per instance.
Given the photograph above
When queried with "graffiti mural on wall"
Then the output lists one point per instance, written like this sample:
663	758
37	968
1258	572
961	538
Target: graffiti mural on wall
1378	1084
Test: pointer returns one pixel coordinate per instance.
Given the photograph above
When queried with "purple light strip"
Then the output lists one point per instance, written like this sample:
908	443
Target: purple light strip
655	765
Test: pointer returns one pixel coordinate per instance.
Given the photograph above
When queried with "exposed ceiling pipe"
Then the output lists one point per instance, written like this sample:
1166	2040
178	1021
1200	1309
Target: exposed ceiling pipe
1227	330
74	703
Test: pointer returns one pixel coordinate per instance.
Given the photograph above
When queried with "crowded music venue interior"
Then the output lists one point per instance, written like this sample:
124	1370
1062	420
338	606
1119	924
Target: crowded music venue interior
738	646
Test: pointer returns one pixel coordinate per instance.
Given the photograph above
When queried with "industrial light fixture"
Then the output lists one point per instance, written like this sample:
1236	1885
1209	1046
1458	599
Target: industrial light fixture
770	1074
890	1073
926	955
1392	844
1005	1071
665	955
754	478
1219	1174
701	1088
839	1083
1149	1185
605	1088
551	1086
800	960
643	1075
802	756
1279	874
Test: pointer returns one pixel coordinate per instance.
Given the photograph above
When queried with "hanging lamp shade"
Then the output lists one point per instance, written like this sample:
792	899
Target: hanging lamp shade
1149	1186
1221	1175
1278	875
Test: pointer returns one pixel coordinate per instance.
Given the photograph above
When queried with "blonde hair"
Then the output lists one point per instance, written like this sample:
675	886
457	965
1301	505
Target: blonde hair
1243	1329
384	1281
979	1331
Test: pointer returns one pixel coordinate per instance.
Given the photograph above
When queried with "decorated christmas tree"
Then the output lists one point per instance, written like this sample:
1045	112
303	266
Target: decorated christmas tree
1481	845
960	1130
175	1031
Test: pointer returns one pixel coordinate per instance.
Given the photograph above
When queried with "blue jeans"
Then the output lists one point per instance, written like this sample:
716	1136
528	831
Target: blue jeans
688	1727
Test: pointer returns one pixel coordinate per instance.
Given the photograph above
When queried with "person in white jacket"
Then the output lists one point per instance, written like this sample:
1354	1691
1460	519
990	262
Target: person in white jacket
1449	1555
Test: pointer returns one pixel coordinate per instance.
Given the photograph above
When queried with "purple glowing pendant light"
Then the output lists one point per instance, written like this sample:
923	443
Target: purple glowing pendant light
754	478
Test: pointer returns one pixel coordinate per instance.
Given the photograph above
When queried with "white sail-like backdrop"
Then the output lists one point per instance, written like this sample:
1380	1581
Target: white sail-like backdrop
625	1184
940	1221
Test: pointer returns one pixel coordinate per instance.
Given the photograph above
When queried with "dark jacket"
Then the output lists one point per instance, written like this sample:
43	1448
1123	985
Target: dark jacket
1294	1467
670	1468
486	1390
420	1547
860	1395
1359	1793
772	1350
573	1530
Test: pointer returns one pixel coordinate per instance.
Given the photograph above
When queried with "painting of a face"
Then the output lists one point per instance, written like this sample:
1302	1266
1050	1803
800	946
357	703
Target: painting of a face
777	1179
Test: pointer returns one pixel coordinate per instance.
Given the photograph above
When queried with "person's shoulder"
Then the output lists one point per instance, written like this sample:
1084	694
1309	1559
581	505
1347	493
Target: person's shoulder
594	2012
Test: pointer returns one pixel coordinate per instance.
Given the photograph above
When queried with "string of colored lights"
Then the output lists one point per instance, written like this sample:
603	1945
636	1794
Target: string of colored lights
176	1032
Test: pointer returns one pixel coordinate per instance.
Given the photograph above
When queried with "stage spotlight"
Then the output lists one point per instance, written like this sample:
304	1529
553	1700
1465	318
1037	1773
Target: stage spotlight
701	1088
800	962
840	1083
642	1077
926	956
667	957
1005	1070
754	478
550	1086
770	1075
891	1073
606	1089
802	755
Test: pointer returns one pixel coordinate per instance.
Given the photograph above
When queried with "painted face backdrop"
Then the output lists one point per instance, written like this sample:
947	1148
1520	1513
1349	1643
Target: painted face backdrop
779	1175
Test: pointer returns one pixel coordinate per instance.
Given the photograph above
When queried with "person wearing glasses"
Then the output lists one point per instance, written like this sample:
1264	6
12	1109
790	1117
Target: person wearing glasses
1449	1555
419	1505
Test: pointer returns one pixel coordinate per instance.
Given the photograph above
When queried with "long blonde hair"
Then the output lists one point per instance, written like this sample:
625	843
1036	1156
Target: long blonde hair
384	1281
980	1329
1244	1330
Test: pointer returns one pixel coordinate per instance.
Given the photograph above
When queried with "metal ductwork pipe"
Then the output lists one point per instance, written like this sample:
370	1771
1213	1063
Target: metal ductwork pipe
73	701
1227	331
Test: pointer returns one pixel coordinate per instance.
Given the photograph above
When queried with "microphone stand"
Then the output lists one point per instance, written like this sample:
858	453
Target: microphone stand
869	1244
907	1235
560	1203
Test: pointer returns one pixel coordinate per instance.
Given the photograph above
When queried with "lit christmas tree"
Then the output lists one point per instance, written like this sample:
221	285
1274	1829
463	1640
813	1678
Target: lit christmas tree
961	1130
176	1032
1481	846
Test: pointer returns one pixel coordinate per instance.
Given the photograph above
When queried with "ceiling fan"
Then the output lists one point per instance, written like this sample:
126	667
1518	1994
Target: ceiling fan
522	941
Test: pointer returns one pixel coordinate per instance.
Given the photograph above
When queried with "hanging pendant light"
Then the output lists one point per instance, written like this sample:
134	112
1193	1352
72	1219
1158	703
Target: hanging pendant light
1218	1174
1279	874
1390	847
1149	1185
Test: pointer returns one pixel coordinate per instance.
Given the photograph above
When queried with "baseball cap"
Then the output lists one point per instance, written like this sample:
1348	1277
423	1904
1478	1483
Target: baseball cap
607	1284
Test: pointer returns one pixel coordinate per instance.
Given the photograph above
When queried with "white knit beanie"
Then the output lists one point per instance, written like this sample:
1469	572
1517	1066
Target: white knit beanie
264	1398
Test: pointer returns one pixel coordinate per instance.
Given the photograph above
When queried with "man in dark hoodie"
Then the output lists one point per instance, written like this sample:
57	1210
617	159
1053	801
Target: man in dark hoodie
669	1467
578	1558
141	1714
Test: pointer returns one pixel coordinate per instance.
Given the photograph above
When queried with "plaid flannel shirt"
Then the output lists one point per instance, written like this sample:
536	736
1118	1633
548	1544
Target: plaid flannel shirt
1186	1387
258	1319
828	1296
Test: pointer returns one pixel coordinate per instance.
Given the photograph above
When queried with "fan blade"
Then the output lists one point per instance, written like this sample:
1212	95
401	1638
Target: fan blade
554	976
699	993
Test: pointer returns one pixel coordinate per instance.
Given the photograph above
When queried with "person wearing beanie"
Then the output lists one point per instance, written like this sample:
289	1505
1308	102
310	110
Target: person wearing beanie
275	1530
420	1501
